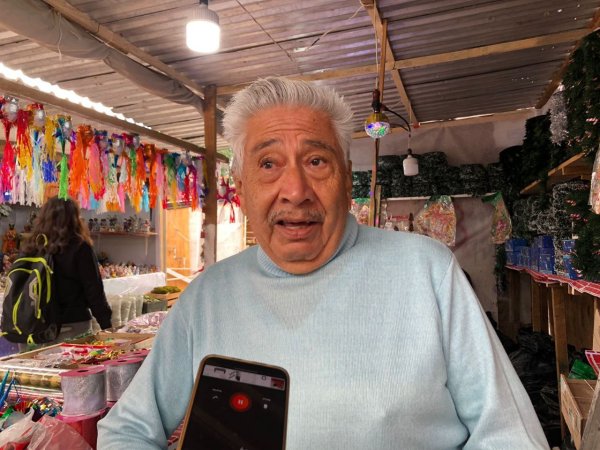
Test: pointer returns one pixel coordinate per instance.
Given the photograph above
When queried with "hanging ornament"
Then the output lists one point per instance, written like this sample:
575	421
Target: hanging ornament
117	144
38	115
11	109
95	173
193	181
135	139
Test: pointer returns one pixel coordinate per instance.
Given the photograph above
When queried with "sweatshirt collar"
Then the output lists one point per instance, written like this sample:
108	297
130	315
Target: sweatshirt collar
348	241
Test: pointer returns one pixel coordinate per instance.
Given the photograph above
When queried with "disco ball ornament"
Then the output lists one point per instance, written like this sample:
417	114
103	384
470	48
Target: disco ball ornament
67	127
136	141
39	118
377	125
11	109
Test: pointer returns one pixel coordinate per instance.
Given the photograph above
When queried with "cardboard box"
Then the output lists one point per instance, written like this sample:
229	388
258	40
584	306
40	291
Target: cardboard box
575	401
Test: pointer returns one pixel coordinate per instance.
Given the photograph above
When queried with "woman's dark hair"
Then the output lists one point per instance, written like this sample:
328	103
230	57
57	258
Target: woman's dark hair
59	220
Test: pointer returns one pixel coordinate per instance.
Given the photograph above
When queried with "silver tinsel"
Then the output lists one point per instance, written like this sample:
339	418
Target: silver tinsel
558	117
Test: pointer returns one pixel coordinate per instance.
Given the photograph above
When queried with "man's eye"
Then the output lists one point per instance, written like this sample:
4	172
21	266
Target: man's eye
266	164
316	161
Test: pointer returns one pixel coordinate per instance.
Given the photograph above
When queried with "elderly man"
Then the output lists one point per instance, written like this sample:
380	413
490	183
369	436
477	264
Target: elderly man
385	342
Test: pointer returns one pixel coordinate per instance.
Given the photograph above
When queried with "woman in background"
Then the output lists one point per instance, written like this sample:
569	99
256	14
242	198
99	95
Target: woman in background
76	278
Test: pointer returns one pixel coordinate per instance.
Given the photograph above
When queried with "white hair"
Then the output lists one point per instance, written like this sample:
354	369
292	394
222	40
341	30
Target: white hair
275	91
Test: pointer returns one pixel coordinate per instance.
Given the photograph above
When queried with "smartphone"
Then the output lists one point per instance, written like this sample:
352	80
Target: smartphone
236	405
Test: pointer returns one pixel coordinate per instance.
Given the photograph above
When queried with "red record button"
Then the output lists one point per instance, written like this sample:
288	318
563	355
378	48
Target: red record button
240	402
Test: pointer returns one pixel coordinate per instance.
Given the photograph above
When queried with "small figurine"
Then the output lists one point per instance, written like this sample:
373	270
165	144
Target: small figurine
91	224
9	241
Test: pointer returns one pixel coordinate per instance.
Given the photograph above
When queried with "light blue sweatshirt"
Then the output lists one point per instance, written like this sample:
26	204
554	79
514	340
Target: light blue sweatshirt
386	345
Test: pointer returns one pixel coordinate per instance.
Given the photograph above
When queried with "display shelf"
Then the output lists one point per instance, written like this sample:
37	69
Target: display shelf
392	199
573	286
577	166
123	233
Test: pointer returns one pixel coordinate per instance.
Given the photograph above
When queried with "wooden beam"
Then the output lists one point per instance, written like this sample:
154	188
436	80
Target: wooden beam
377	24
476	52
21	91
493	49
313	76
210	207
120	43
560	73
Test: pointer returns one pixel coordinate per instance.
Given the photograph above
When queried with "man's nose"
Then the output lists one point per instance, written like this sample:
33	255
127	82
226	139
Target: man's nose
296	186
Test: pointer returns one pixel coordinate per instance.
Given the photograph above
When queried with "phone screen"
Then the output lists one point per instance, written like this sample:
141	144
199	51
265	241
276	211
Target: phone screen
237	405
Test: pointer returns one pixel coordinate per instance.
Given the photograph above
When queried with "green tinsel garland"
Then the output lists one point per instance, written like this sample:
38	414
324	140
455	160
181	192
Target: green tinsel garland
582	95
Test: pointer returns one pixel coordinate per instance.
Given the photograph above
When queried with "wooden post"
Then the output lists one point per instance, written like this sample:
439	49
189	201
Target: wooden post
596	344
560	330
514	298
210	142
373	202
536	309
544	318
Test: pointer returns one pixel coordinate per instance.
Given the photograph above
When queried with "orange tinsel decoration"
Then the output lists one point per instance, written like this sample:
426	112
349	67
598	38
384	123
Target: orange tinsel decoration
151	156
78	182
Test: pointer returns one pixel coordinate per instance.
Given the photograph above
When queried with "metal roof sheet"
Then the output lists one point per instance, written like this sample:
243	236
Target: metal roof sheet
292	38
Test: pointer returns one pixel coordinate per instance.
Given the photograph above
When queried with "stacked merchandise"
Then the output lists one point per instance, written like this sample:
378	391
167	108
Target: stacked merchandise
435	177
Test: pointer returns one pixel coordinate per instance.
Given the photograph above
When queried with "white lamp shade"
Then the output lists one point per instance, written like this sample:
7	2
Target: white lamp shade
203	33
411	166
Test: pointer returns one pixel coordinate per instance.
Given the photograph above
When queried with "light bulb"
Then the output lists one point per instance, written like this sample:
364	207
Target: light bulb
203	33
410	165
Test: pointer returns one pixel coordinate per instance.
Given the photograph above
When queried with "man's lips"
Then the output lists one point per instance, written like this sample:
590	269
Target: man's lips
296	229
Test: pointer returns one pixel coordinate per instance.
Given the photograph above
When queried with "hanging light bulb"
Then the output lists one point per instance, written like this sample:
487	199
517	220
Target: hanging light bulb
410	165
203	33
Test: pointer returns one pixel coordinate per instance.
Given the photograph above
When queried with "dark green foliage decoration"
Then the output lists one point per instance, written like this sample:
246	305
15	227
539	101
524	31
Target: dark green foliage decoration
582	95
587	249
539	153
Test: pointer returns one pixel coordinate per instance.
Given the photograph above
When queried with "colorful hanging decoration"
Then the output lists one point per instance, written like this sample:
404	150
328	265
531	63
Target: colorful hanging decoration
99	173
227	194
79	186
8	163
95	169
24	148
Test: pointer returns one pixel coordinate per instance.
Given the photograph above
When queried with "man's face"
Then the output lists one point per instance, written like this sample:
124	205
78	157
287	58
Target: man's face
294	186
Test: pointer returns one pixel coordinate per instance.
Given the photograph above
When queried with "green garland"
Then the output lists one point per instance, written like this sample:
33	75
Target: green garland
587	249
582	95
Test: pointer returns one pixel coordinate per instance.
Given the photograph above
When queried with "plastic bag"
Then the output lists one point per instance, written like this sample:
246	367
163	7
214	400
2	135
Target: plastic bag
437	219
53	434
501	224
18	435
594	200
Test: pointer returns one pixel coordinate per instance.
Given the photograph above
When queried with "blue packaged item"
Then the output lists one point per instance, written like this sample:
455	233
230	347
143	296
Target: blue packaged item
534	254
514	244
572	273
545	242
568	245
546	264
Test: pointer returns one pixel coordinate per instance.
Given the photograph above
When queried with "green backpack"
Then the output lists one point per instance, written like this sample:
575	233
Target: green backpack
30	313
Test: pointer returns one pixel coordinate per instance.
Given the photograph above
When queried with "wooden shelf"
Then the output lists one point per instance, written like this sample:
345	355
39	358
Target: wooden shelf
393	199
575	167
123	233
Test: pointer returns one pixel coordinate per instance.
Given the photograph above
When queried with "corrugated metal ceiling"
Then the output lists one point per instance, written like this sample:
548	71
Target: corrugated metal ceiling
285	37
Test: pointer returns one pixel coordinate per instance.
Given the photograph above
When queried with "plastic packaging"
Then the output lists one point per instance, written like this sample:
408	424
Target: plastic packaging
437	219
18	435
501	224
53	434
595	185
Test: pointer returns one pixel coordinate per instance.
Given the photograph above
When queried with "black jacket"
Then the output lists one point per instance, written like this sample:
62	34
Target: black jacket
78	285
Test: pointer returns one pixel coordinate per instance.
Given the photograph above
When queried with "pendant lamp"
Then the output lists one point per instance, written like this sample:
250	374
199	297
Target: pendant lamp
203	33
